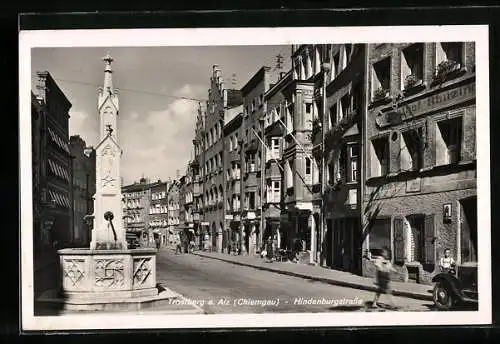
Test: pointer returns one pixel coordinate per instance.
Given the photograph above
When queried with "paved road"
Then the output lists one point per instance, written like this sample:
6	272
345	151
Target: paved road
238	289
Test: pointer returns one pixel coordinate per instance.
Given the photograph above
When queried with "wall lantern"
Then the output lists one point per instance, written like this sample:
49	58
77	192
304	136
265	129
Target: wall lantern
447	213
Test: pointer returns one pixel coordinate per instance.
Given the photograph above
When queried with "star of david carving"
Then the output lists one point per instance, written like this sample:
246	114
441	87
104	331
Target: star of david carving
107	180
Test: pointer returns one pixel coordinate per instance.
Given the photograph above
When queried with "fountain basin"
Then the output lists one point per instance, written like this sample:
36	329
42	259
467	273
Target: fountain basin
108	274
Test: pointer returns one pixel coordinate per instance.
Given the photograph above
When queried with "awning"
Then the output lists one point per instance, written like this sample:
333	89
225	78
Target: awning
58	141
60	199
58	170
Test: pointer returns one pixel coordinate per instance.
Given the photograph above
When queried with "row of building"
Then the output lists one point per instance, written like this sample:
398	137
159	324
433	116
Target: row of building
358	147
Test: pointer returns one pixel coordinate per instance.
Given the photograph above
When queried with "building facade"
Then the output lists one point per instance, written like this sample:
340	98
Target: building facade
197	170
345	102
274	134
300	214
220	101
84	183
173	199
37	120
158	211
253	160
233	186
136	205
54	169
420	156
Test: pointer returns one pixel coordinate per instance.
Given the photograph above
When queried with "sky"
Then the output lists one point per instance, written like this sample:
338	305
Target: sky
155	126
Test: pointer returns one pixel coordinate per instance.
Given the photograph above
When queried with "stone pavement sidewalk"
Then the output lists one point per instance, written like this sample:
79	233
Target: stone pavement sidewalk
317	273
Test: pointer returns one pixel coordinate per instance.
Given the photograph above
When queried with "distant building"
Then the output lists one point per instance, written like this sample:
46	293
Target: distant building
158	211
174	213
136	204
84	187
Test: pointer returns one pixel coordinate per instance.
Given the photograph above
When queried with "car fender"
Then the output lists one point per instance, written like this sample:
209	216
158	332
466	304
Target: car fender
450	281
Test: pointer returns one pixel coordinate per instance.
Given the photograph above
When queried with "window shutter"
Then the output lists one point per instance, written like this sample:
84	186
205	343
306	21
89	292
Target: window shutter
429	239
394	152
468	136
399	243
429	142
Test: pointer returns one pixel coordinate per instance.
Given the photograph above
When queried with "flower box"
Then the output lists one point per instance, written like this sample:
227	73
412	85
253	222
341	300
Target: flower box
446	70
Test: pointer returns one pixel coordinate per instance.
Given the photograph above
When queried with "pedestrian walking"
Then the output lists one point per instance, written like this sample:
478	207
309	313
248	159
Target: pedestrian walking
157	242
383	278
178	245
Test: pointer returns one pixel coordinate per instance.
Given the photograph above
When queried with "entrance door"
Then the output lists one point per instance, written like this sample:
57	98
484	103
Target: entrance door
328	249
337	244
468	230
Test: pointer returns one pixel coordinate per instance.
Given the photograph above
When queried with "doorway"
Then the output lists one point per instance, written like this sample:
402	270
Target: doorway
343	244
468	230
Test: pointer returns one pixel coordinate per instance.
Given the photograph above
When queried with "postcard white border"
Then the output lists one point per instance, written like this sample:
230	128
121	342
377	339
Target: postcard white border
256	36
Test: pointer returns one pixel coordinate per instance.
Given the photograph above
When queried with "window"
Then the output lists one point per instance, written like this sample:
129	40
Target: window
448	141
261	99
412	150
380	157
356	97
308	108
275	147
289	173
353	153
345	106
381	78
336	66
412	65
380	235
251	162
333	115
273	192
250	200
450	51
348	52
289	118
276	190
308	167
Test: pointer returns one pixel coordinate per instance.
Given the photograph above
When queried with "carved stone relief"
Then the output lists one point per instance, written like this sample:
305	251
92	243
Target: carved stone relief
109	273
142	270
108	161
74	271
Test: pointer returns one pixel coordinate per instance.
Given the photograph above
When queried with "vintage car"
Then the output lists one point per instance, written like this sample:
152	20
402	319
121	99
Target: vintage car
456	288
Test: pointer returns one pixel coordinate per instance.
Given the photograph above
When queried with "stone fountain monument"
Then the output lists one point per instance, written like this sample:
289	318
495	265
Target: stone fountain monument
108	275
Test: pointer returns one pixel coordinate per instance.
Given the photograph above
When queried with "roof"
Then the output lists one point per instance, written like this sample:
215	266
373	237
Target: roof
230	114
259	76
51	85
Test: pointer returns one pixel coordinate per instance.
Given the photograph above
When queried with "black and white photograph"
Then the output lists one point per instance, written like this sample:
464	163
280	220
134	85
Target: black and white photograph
240	178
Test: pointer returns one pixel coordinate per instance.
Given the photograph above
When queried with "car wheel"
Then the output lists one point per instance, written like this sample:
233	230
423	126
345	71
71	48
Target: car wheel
442	297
